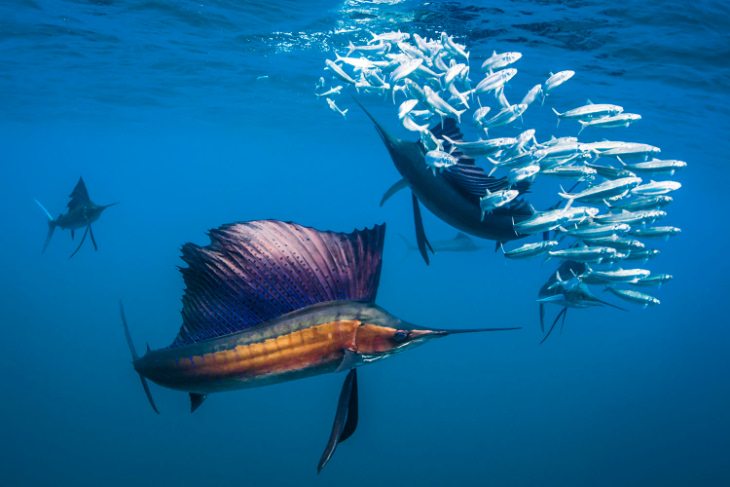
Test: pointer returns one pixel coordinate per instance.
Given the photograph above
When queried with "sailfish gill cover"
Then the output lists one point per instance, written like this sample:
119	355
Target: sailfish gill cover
257	271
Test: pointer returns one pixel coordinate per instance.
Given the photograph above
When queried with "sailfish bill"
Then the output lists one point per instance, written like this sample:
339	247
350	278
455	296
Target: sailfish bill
315	315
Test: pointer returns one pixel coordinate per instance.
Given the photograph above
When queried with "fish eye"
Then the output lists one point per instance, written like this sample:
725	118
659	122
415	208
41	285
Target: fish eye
400	335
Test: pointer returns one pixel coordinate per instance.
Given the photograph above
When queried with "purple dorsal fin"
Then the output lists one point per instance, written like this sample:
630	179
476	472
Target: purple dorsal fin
253	272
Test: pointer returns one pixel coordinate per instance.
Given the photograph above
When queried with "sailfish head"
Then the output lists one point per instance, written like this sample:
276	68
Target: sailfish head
376	342
401	151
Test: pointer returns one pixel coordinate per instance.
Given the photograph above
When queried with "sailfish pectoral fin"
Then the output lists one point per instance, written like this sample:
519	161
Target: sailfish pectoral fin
82	241
345	418
93	240
402	184
421	239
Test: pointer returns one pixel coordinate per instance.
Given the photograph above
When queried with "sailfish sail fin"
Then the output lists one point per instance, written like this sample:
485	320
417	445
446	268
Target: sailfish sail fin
253	272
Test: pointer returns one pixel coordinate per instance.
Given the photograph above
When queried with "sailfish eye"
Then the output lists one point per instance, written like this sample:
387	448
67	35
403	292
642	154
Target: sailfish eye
400	335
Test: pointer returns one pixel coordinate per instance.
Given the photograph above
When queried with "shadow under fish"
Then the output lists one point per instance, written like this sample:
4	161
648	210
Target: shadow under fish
454	194
568	293
269	301
82	212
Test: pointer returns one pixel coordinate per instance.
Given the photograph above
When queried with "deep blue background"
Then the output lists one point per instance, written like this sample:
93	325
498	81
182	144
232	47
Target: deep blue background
157	104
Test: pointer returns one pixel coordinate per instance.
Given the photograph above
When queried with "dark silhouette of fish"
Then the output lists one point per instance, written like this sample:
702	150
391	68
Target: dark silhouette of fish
452	194
82	212
564	289
267	302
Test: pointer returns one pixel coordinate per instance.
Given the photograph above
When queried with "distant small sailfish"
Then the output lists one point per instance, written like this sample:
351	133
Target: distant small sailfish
82	212
268	302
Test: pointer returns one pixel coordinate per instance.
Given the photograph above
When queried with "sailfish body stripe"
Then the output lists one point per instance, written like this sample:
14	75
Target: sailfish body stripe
307	342
311	351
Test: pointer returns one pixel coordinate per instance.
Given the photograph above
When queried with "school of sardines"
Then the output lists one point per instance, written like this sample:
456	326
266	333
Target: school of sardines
608	222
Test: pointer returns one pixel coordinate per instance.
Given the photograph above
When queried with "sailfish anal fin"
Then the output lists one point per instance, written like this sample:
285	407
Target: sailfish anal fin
196	400
345	418
421	239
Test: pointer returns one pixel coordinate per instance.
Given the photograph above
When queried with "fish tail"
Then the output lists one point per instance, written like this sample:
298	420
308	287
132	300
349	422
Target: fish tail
51	225
409	246
135	357
558	114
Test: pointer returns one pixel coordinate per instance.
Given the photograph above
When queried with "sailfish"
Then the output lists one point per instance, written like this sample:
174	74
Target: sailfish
270	301
568	293
453	194
82	212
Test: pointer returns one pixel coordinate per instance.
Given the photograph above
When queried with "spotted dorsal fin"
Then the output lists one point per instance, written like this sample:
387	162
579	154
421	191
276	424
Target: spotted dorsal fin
253	272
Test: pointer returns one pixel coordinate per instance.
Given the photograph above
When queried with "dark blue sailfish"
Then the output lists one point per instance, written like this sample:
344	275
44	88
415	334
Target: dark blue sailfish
82	212
268	302
454	194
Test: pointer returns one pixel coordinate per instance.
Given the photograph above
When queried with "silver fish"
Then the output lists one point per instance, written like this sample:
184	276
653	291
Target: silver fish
589	112
643	203
620	120
618	243
556	80
482	148
498	61
604	190
654	280
655	188
634	296
631	149
642	255
497	199
335	108
494	81
505	116
657	167
591	276
532	95
531	249
597	230
655	232
587	255
633	218
337	72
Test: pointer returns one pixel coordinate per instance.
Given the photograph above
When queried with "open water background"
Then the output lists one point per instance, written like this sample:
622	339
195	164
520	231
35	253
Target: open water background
158	105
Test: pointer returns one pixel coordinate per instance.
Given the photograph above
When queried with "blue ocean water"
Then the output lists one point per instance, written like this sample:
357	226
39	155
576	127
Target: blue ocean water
194	114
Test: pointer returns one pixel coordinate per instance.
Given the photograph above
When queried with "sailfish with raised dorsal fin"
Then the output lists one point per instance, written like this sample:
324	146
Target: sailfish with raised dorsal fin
453	195
82	212
269	301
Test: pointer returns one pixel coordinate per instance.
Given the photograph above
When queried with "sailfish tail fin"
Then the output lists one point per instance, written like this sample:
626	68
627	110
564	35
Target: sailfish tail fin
51	225
135	357
409	246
